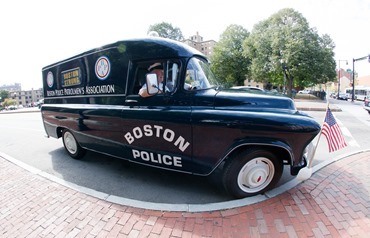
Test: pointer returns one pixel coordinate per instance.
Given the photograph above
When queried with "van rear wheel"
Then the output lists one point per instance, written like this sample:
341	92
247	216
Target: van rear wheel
71	145
251	172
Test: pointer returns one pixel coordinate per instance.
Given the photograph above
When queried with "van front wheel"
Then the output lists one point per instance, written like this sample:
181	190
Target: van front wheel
252	172
71	145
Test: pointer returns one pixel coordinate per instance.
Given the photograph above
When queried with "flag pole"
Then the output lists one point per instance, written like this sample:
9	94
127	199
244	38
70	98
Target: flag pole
318	140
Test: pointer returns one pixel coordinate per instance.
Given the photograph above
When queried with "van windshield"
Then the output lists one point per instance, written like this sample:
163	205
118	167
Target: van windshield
199	75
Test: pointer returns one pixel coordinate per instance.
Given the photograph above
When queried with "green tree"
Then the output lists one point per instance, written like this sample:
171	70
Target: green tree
8	102
285	50
3	94
228	61
326	72
166	30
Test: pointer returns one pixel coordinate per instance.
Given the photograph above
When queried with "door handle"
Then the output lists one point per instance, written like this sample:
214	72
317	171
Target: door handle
130	101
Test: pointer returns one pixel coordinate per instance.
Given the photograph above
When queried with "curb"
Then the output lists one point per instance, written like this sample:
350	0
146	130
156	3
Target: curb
317	109
208	207
20	111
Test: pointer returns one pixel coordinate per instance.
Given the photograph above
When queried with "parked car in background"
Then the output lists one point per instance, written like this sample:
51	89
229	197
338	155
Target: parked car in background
257	90
342	96
367	105
249	88
305	91
40	102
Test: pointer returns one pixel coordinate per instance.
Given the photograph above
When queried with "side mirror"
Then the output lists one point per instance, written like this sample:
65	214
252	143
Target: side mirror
152	84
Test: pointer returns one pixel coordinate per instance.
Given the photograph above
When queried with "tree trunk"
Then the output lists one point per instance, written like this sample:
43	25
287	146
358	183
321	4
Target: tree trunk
290	86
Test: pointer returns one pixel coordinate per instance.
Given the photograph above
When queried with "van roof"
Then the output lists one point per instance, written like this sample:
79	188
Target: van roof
144	48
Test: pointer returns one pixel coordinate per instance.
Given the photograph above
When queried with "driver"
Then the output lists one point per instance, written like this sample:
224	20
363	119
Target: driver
156	68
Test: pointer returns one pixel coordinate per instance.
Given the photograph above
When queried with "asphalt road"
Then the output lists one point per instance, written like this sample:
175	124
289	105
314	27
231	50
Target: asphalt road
23	138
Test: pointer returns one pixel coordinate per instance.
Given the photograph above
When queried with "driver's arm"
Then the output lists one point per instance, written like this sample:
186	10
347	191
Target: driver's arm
144	92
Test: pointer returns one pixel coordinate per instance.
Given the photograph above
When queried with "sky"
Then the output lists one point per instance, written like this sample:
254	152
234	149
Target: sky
38	33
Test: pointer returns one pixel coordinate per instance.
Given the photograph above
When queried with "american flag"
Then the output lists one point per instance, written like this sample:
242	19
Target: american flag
332	132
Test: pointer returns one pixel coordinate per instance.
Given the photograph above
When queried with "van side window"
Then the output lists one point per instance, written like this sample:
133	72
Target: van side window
171	75
140	70
140	78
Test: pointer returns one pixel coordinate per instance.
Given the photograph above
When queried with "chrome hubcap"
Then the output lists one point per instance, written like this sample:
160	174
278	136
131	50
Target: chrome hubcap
70	142
256	175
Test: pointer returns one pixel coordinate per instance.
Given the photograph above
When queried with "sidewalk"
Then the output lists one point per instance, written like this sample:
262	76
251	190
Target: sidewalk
315	105
334	202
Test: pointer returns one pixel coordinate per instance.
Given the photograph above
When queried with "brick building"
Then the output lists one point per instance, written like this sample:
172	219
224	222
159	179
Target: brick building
26	98
197	42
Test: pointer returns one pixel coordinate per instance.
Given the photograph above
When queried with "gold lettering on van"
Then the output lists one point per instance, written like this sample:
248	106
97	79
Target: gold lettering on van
71	77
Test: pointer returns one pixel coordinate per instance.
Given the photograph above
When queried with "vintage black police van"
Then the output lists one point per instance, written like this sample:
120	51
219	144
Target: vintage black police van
187	124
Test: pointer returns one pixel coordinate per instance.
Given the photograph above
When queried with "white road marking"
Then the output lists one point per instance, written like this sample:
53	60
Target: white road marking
348	136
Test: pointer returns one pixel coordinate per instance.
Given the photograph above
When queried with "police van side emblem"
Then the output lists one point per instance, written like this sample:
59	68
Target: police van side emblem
50	79
157	131
102	68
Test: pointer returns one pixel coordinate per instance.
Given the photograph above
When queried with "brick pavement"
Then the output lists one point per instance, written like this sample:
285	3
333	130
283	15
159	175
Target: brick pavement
334	202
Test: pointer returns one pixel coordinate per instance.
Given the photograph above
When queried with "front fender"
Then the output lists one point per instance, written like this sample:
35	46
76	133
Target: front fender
286	153
273	145
261	142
